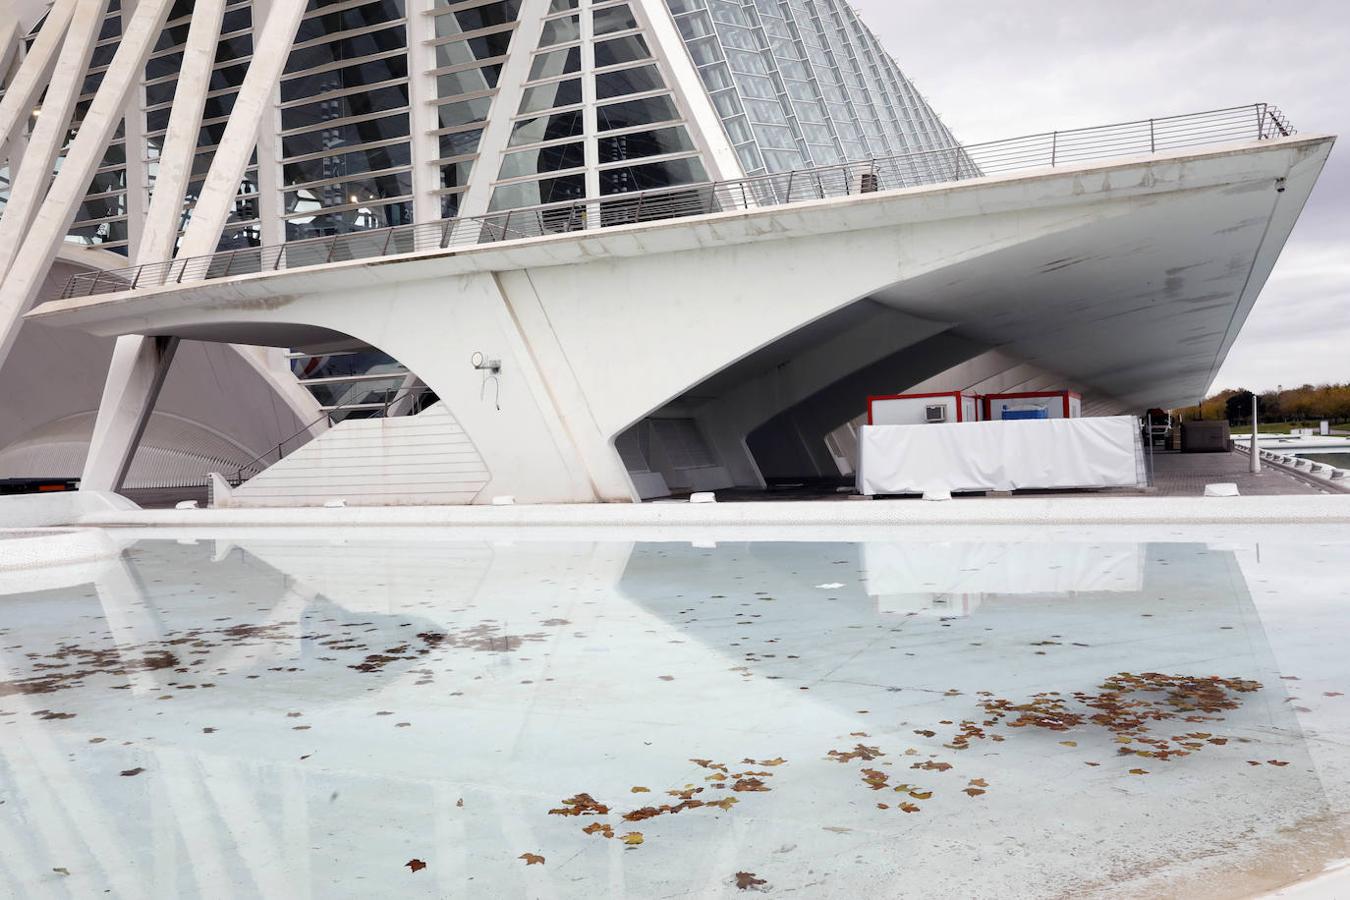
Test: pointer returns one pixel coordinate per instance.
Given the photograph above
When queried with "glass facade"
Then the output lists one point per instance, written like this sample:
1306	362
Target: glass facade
345	151
595	103
803	83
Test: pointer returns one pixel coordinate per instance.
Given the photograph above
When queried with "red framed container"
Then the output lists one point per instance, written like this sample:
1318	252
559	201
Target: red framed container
913	409
1070	405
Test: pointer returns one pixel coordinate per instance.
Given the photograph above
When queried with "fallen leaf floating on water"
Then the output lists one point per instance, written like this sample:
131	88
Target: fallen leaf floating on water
1276	762
61	870
460	803
921	795
932	766
747	880
640	790
1139	771
1123	707
415	864
1069	743
908	807
127	773
861	751
601	828
581	805
531	859
1332	694
925	733
973	791
632	838
749	784
776	761
979	782
874	779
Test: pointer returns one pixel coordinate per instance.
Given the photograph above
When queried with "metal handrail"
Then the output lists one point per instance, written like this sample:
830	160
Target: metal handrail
392	396
1258	121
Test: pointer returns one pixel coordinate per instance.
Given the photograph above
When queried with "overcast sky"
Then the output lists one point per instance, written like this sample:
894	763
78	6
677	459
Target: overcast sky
996	70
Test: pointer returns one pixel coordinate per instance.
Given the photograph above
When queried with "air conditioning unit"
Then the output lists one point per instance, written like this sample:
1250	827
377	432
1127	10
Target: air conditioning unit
936	413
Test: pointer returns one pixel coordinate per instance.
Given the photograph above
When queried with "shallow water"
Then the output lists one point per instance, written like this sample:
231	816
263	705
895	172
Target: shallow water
302	716
1339	460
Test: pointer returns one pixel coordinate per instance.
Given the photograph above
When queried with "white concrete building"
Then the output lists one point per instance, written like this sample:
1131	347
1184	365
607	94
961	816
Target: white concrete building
573	250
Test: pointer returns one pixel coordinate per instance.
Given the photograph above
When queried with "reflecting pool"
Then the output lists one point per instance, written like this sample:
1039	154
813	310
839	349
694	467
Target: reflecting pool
1090	712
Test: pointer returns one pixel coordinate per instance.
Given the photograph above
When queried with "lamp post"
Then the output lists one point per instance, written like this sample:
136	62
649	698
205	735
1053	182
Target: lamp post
1256	449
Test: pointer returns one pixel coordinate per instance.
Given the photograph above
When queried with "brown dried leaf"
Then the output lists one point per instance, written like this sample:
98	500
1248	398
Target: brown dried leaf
1069	743
1139	771
973	791
641	790
632	838
908	807
602	828
127	773
415	864
1276	762
747	880
531	859
979	782
749	784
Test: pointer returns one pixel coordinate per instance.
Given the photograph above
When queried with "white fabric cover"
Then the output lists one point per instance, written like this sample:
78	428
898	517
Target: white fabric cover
998	456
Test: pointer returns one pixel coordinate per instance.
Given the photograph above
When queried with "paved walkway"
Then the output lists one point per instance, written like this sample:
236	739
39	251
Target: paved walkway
1178	474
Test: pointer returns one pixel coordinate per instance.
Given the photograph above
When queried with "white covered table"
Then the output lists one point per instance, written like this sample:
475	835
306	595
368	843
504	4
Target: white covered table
1000	456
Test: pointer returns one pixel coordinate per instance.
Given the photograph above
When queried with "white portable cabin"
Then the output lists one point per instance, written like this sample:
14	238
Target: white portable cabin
923	409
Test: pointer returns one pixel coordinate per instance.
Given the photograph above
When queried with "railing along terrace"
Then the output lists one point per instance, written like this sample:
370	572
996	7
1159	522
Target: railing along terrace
1258	121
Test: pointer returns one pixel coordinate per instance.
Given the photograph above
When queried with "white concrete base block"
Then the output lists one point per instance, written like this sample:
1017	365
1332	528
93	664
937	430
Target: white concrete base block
1223	489
185	504
61	508
504	500
337	503
937	495
703	497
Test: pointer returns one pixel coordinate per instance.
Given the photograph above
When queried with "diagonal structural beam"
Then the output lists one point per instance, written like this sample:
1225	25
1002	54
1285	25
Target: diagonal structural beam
165	214
9	42
139	363
30	183
24	278
270	51
23	92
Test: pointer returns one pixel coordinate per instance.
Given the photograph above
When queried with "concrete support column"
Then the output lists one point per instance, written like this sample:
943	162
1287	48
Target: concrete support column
497	129
29	185
33	73
251	108
180	142
135	376
425	146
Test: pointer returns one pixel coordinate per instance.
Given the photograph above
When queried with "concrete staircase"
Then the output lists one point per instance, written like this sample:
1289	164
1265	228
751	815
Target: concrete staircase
425	459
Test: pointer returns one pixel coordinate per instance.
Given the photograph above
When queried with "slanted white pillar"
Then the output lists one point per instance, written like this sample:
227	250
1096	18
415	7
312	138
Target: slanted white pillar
180	143
135	376
497	128
23	92
42	239
29	184
140	363
9	43
251	106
